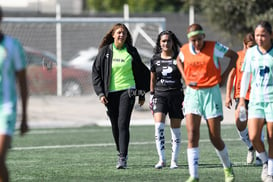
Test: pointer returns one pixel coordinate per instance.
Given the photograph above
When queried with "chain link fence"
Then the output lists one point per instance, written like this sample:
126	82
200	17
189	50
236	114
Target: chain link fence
79	40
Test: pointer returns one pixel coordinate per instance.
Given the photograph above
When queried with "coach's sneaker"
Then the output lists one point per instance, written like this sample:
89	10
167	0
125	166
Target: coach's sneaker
229	174
250	156
269	179
160	164
122	163
192	179
173	165
264	172
258	162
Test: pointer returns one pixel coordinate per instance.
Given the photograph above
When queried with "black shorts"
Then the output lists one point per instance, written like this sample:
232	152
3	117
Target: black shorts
237	102
169	102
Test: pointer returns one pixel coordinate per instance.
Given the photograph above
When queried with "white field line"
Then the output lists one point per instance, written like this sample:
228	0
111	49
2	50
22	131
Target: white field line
39	132
95	145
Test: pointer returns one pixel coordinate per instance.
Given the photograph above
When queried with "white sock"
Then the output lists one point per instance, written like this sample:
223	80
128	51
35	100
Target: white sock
262	139
244	137
160	140
257	154
176	142
223	156
263	156
270	166
193	158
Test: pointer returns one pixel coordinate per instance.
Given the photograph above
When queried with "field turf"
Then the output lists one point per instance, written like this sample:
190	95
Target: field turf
88	154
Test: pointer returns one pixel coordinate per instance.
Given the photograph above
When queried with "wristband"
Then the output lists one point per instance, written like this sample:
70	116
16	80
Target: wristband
152	92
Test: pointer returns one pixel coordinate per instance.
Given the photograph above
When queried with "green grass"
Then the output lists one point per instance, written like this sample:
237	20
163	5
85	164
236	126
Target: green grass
88	154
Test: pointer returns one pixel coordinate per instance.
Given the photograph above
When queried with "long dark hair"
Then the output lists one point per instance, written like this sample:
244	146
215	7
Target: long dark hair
176	42
108	38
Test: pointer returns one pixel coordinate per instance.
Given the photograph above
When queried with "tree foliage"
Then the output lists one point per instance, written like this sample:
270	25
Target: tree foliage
136	6
237	16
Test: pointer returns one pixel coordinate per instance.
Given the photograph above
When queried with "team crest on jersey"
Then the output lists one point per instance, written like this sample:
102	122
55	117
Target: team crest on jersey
174	62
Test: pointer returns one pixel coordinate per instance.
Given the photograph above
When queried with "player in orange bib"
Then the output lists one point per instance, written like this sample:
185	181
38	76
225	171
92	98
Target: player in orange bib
235	77
198	62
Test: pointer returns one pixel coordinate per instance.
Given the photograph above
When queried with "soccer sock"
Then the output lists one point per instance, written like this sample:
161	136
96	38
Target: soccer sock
270	166
160	140
262	139
223	156
176	142
193	158
257	154
244	137
263	156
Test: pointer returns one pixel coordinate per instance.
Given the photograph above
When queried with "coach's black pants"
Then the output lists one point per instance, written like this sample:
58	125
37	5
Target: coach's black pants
119	110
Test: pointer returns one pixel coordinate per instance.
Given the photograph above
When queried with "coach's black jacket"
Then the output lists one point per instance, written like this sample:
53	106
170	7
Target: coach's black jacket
101	70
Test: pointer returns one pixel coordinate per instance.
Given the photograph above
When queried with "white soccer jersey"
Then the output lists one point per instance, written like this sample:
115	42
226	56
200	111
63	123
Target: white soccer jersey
12	58
261	67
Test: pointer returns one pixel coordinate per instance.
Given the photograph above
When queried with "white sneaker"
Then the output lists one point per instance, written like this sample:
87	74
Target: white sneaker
160	164
122	163
250	156
264	172
269	179
173	165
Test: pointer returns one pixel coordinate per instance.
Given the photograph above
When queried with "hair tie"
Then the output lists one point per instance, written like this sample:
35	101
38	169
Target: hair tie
193	33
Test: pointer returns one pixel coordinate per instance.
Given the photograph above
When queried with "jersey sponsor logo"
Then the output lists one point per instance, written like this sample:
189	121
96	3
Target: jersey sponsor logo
166	70
119	60
263	70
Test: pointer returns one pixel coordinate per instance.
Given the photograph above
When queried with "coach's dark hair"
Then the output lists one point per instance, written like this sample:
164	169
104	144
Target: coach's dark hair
266	25
176	42
108	38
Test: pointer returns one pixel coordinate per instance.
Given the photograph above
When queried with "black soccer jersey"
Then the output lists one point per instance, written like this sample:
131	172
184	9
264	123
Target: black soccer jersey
168	76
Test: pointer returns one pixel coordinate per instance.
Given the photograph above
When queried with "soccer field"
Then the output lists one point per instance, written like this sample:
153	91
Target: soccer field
88	154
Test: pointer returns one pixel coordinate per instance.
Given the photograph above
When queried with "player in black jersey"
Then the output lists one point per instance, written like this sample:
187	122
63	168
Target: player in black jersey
166	95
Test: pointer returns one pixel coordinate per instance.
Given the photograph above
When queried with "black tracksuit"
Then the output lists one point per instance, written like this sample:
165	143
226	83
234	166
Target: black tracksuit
120	103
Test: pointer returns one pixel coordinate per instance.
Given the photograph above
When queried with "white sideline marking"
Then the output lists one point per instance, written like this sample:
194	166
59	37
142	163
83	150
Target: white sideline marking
68	130
38	132
96	145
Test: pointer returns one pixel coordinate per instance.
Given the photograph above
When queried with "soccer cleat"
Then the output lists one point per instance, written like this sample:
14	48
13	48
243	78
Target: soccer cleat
192	179
264	172
269	179
229	174
173	165
250	156
160	164
122	163
258	162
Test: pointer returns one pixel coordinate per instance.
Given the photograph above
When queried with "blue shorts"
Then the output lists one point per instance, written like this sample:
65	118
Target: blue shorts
261	110
237	100
206	102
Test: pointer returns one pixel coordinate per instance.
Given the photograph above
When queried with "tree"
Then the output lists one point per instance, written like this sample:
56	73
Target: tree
105	5
237	17
136	6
